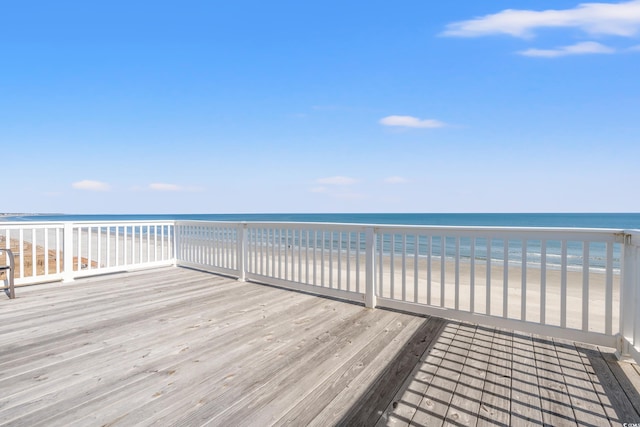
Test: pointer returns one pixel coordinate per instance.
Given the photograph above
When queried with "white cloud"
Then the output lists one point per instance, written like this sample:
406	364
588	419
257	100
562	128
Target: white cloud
336	180
349	196
91	185
583	48
615	19
160	186
396	180
338	187
411	122
635	48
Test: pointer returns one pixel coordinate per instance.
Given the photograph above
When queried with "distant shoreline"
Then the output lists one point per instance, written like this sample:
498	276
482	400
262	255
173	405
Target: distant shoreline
8	214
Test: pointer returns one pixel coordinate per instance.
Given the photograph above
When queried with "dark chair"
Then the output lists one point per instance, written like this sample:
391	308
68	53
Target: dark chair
9	271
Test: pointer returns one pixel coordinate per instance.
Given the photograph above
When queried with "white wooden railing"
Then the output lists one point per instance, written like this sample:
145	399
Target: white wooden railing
51	251
580	284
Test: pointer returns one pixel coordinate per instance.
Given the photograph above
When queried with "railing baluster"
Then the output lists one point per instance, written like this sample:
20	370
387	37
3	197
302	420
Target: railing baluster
392	265
306	257
443	249
472	276
543	282
273	251
34	254
416	254
339	261
348	255
58	252
358	243
117	244
404	266
300	255
79	253
99	246
488	280
585	286
331	284
563	284
505	278
381	265
457	275
608	309
315	258
46	252
89	247
523	283
429	268
322	260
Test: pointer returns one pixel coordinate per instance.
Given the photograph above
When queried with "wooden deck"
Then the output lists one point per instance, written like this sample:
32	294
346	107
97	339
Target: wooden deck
175	346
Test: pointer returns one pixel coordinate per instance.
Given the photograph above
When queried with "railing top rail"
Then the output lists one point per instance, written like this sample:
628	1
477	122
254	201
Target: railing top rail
29	224
40	224
548	232
327	226
606	234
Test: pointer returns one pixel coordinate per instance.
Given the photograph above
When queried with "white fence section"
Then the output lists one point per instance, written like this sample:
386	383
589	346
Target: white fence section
581	284
320	258
563	283
38	250
211	246
51	251
557	282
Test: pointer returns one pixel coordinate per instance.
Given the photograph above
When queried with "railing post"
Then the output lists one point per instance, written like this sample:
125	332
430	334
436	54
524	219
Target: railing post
242	251
370	271
67	252
175	242
628	296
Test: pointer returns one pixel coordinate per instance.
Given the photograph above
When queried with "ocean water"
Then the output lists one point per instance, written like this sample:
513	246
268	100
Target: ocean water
579	220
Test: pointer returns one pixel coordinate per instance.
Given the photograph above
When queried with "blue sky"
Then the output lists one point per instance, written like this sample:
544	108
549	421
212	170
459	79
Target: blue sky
320	106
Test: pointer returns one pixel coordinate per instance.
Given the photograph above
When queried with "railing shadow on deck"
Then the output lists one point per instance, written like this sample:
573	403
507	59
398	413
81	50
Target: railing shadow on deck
467	371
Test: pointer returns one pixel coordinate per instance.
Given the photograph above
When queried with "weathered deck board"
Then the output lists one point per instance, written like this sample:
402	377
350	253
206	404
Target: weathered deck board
526	407
495	403
175	346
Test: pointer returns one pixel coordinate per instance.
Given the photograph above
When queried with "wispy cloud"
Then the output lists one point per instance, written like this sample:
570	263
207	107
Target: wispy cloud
584	48
396	180
337	180
613	19
635	48
349	196
161	186
411	122
90	185
339	187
